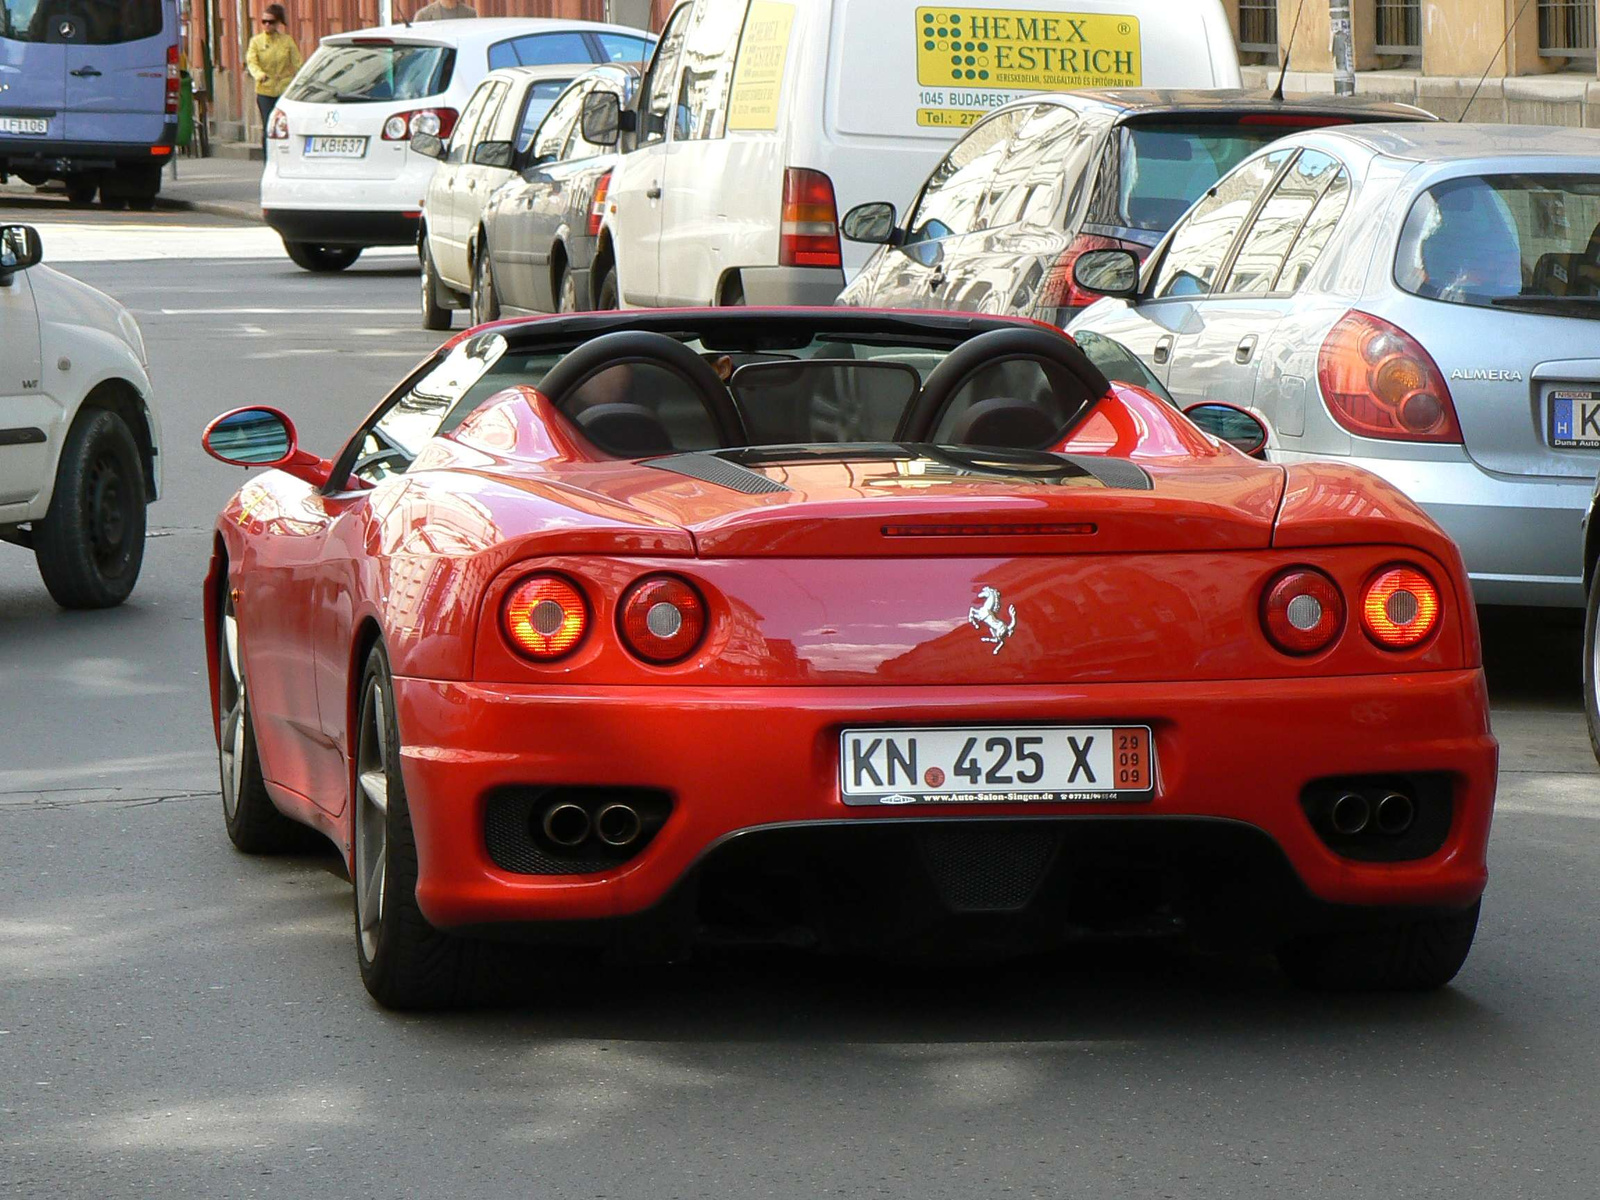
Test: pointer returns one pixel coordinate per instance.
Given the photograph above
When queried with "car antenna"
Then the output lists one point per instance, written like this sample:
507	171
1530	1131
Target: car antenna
1489	66
1277	92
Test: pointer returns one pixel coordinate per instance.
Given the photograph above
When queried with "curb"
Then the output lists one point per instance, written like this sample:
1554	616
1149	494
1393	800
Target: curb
215	208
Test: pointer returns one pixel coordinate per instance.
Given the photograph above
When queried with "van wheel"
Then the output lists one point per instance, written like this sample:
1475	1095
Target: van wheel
605	296
81	190
311	257
1418	956
434	315
485	304
90	544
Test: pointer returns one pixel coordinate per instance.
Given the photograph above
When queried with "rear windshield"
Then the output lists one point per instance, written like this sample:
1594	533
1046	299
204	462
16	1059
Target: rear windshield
96	22
1527	242
1166	168
366	74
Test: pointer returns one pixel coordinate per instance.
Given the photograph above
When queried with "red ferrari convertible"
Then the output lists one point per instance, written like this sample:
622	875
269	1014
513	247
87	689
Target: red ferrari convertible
858	630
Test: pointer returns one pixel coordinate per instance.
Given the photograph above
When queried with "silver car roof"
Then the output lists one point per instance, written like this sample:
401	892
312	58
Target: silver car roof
1446	142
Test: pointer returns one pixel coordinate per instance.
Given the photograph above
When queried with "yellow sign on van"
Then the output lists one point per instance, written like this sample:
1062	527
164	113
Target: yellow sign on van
1026	50
758	77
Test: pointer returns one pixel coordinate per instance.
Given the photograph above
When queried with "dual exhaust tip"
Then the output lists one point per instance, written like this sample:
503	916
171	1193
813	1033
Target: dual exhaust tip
1353	814
569	825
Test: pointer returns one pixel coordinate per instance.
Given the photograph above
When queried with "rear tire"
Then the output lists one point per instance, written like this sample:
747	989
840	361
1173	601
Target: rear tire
90	544
434	314
485	304
567	293
1591	667
1418	956
605	296
81	190
309	256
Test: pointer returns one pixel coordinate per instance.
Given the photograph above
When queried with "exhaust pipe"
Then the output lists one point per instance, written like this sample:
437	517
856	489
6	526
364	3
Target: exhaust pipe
1395	813
618	825
566	824
1350	814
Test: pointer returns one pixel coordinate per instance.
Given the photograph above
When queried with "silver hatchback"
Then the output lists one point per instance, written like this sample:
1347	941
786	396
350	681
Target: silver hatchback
1420	300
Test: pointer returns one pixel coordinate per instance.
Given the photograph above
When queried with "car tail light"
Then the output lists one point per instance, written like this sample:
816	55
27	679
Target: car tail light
597	206
1400	608
810	231
278	124
1058	291
403	126
1380	383
174	80
662	618
1302	611
545	617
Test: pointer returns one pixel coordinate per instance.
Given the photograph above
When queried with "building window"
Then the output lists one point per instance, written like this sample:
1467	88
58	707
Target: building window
1566	30
1258	29
1399	29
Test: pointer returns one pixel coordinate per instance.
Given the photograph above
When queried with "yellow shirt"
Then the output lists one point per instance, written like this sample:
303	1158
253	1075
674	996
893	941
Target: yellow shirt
272	60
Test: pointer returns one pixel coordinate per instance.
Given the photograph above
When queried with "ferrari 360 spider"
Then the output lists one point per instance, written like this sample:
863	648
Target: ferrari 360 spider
873	631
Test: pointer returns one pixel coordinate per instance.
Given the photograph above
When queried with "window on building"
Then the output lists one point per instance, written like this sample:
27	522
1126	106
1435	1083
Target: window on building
1258	30
1399	30
1566	31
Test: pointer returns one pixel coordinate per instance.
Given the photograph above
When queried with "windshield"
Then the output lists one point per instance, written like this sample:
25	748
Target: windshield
102	22
1166	168
1506	241
365	74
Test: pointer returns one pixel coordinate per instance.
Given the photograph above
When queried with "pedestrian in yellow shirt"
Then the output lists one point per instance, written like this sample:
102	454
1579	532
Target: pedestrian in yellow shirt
272	59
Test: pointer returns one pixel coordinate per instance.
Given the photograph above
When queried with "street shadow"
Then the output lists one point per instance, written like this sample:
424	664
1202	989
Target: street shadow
1533	655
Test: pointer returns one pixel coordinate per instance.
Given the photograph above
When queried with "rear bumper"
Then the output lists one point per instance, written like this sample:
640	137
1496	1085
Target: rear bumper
325	228
59	159
815	287
737	760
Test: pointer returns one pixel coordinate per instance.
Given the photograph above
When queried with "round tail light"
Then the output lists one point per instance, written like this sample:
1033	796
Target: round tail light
1302	611
662	618
1400	608
396	129
545	617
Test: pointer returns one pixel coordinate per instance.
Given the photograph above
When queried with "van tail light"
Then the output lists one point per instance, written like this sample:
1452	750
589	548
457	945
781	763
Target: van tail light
278	124
403	126
1379	382
1058	291
174	80
1302	611
662	618
1400	607
597	206
545	617
810	230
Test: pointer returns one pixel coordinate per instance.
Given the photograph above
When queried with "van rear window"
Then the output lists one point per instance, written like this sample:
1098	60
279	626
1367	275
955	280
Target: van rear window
364	73
1166	168
97	22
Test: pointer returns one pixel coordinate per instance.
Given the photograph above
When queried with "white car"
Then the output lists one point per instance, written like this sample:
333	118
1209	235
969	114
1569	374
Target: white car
341	174
79	439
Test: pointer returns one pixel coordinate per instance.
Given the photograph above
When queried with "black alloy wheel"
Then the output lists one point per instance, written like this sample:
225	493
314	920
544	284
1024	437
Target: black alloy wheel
309	256
90	545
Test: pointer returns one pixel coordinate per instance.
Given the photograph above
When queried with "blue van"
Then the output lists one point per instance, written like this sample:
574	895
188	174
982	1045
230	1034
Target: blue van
89	95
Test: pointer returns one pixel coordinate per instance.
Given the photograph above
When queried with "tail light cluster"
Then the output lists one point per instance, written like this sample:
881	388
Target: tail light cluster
660	619
1303	610
1380	383
809	235
1058	290
597	206
278	125
404	126
174	80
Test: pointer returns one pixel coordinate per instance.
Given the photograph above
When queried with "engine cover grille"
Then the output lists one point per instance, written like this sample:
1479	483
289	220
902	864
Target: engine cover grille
987	870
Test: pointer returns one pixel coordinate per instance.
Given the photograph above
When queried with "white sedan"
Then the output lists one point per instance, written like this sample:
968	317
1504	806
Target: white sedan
79	458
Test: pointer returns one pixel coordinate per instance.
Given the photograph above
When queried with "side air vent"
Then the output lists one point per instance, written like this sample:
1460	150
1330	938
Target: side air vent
1113	472
711	469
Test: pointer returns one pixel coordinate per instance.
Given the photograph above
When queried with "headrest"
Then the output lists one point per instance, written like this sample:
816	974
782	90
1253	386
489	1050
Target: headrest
625	430
1004	423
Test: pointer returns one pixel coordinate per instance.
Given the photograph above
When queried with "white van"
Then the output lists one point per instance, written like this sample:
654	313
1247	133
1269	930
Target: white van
759	121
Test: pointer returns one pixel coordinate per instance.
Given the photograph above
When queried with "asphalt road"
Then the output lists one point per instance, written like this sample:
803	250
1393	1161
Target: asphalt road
178	1020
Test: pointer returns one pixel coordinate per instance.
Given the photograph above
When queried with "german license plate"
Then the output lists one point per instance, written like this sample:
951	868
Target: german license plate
1574	419
1045	764
31	126
335	147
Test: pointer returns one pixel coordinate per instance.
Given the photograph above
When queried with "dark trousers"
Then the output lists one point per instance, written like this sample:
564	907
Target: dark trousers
265	105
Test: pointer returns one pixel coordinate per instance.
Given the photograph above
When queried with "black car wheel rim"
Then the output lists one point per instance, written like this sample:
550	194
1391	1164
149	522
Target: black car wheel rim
109	526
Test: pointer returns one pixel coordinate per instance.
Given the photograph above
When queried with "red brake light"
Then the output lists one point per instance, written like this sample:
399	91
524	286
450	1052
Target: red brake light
403	126
173	80
1058	291
662	618
1379	382
278	125
597	206
1400	608
810	231
545	617
1302	611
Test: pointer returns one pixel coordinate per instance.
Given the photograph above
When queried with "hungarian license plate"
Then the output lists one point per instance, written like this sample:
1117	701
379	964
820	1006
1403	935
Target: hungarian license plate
1574	419
31	126
1045	764
335	147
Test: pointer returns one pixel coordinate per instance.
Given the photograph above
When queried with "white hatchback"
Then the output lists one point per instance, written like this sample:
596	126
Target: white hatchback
79	440
341	174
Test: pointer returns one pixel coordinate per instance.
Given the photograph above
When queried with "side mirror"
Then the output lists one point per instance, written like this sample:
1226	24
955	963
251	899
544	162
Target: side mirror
602	118
20	248
873	223
262	437
494	154
428	144
1107	272
1229	423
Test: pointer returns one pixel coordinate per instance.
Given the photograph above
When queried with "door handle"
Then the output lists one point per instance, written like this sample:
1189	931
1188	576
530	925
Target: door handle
1163	350
653	192
1245	348
86	73
936	281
